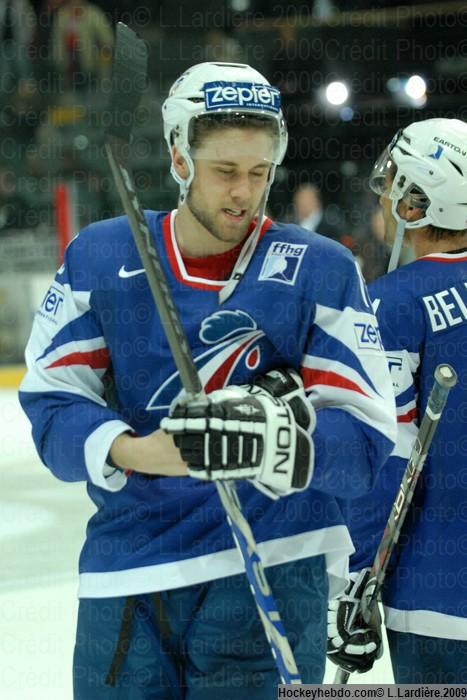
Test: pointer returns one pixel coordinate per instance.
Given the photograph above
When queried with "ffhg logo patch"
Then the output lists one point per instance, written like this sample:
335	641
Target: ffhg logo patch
282	262
220	95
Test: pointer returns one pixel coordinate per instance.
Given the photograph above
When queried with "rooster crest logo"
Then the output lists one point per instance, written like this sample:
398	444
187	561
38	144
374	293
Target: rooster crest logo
233	337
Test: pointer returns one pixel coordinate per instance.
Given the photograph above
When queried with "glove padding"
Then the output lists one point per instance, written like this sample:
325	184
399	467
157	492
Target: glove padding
245	433
286	384
353	644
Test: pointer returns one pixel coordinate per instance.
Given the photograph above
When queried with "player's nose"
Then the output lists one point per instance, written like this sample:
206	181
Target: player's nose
241	192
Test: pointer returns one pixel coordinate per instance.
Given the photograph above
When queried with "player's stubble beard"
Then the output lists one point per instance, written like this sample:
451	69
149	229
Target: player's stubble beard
208	223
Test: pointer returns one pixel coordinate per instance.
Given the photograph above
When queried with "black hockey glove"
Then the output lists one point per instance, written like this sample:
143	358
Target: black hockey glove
244	432
353	644
286	384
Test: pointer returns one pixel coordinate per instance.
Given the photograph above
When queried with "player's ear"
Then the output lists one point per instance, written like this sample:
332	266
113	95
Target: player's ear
413	214
179	163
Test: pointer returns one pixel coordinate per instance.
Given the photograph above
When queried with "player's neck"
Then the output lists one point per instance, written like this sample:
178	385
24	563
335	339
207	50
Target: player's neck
424	246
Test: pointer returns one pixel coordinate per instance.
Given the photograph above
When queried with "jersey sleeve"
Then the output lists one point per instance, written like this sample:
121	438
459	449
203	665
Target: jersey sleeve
401	326
63	390
402	329
347	379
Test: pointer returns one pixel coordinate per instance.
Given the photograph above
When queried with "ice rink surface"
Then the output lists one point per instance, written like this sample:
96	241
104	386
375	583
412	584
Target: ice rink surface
43	523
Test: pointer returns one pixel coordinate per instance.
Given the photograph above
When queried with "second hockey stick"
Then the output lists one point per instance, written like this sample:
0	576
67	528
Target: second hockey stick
444	380
129	77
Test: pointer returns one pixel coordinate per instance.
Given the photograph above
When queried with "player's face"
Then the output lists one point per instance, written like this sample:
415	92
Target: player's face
231	172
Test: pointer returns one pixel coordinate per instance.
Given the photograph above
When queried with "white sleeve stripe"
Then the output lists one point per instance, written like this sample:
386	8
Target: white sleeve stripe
374	414
96	449
406	435
58	380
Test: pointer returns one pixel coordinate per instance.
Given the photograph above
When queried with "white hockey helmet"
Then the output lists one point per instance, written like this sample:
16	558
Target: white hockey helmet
219	89
426	165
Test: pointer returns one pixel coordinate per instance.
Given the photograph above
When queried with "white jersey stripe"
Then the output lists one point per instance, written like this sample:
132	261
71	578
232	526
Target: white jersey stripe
424	622
334	542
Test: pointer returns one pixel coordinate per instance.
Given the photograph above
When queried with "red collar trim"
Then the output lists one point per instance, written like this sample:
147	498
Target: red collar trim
445	257
179	263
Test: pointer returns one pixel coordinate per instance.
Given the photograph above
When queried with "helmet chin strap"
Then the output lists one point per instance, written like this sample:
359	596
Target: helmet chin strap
249	248
397	245
183	183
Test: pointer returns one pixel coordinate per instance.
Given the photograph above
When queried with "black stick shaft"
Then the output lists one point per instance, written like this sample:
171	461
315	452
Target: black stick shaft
157	281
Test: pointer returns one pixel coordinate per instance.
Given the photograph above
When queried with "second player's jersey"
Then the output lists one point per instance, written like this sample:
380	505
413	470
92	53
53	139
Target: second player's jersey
421	309
99	364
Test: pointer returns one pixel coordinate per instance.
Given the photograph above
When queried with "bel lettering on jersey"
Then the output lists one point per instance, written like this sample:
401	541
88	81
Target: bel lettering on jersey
447	308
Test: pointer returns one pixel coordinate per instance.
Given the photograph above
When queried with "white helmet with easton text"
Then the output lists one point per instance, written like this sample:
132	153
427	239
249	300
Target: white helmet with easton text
425	165
209	89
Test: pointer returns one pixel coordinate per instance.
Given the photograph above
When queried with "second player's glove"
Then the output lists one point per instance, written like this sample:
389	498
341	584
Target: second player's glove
245	432
353	644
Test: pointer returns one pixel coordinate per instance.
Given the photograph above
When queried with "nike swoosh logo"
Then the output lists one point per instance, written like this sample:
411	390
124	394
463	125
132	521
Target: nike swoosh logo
129	273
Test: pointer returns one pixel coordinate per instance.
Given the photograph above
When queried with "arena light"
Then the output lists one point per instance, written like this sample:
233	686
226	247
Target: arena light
337	93
394	85
346	114
415	88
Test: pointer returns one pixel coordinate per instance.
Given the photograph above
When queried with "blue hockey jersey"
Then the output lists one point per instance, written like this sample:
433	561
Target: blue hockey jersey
422	315
99	364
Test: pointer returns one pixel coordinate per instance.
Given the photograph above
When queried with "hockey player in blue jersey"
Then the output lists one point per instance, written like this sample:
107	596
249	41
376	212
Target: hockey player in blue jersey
422	314
165	608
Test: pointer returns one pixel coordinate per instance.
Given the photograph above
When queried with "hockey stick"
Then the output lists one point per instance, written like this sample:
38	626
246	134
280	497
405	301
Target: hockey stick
444	380
129	78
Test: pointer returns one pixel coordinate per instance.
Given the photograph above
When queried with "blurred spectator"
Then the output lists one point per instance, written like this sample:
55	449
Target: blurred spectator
41	42
293	8
220	46
17	22
323	9
308	211
81	43
285	64
12	206
373	254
